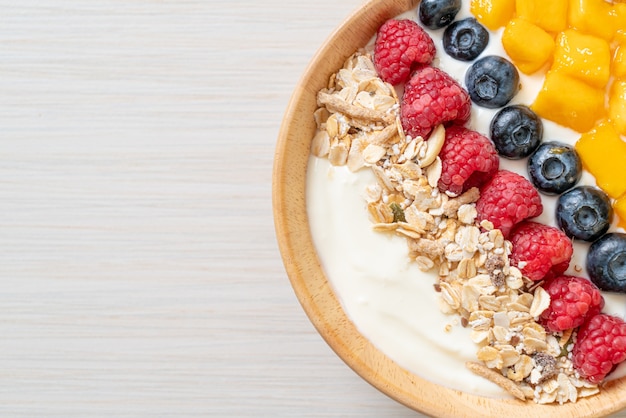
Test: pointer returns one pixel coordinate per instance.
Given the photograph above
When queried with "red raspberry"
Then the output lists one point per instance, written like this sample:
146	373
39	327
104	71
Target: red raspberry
468	159
400	45
431	97
601	344
545	250
506	200
572	301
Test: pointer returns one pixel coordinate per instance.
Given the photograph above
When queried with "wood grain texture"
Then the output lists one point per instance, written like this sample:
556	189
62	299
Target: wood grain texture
137	250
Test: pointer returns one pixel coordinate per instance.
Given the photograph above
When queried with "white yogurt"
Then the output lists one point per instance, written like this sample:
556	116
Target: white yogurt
390	301
388	298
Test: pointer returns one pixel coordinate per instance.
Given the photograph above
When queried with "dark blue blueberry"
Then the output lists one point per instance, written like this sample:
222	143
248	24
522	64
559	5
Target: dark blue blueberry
435	14
606	262
554	167
465	39
492	81
584	213
516	131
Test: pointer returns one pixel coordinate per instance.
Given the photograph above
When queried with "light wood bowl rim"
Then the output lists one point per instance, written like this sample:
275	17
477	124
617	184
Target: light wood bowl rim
310	283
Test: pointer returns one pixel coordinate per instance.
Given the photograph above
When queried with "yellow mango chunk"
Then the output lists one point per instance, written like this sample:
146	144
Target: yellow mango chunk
603	153
596	17
585	57
620	210
550	15
569	102
493	13
618	65
617	107
618	15
529	46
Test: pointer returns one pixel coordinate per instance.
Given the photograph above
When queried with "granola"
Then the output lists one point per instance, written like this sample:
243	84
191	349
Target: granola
358	126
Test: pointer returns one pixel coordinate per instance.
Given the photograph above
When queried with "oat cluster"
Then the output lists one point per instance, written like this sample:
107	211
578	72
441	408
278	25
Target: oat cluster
358	126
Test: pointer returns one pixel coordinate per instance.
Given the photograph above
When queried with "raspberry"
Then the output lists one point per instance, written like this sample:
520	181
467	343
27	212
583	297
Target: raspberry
468	159
431	97
540	251
400	45
506	200
601	344
572	301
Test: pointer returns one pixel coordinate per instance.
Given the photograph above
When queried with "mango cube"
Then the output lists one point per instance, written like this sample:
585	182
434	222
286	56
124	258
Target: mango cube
618	16
620	210
569	102
529	46
603	153
550	15
582	56
617	107
493	13
596	17
618	65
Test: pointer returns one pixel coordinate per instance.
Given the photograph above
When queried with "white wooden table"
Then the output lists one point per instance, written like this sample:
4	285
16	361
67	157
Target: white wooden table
139	266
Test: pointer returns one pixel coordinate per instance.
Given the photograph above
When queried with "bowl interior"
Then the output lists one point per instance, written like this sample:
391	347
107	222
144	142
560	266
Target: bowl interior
307	276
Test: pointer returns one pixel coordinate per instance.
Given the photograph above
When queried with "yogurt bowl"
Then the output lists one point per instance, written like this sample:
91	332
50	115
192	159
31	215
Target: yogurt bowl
424	390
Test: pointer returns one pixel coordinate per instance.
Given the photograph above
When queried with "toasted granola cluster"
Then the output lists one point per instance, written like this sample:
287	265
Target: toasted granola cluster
359	126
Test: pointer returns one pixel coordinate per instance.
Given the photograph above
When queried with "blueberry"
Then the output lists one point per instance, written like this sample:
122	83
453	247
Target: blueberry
554	167
584	213
492	81
435	14
465	39
606	262
516	131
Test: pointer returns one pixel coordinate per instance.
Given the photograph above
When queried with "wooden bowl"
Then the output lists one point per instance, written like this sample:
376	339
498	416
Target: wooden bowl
311	285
